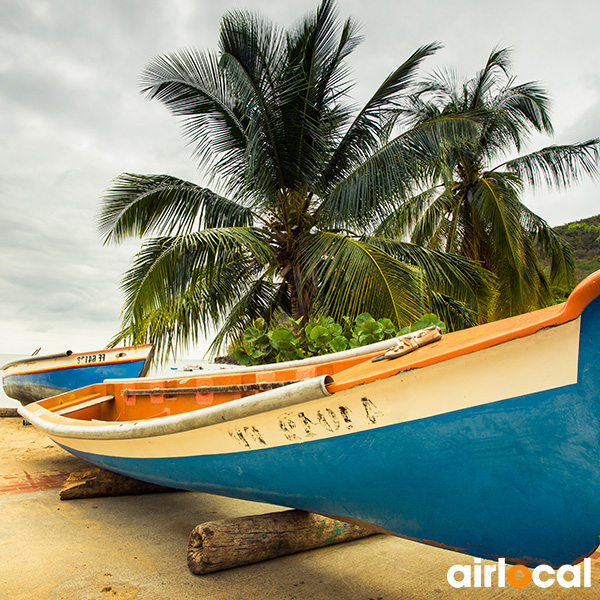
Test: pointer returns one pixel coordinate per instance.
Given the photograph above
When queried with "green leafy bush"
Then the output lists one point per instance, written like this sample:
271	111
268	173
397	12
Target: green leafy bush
291	341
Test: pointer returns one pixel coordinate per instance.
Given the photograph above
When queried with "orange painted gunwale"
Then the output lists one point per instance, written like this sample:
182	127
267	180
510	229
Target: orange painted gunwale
466	341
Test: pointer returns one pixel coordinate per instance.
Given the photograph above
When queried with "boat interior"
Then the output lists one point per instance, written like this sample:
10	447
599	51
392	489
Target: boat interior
129	400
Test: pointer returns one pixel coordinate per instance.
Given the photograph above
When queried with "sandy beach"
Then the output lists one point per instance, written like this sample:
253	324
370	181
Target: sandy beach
134	547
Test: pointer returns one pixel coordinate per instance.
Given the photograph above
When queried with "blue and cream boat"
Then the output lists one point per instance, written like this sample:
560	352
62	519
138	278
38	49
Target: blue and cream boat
35	377
486	441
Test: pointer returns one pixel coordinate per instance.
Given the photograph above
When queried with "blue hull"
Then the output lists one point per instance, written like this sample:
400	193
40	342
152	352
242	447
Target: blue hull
441	479
518	478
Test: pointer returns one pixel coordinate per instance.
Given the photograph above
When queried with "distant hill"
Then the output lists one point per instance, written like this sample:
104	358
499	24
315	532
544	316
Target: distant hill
583	237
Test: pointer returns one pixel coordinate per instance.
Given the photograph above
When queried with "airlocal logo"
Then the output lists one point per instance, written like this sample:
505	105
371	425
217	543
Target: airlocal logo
478	575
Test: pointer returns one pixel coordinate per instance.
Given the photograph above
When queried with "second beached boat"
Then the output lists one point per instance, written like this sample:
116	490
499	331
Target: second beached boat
486	441
35	377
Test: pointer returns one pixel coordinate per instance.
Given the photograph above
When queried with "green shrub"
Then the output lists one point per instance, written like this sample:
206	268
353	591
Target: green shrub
291	341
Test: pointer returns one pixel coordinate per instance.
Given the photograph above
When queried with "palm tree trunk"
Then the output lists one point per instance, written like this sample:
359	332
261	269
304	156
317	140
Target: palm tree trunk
295	300
300	295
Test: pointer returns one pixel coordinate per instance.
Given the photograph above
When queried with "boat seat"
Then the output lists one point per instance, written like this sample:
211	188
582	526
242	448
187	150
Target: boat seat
82	405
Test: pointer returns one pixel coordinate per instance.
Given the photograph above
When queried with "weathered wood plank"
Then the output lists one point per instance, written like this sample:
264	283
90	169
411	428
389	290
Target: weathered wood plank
208	389
218	545
96	482
82	405
8	412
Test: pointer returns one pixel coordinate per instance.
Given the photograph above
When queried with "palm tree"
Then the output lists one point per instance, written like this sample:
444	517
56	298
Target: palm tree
473	206
301	181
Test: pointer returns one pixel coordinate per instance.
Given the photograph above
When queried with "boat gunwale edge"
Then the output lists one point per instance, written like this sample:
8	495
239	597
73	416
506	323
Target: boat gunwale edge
295	393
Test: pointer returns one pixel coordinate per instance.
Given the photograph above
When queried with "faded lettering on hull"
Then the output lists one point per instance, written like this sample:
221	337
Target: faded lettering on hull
306	425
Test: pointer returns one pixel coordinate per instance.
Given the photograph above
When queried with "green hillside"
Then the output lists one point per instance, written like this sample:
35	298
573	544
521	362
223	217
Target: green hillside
583	237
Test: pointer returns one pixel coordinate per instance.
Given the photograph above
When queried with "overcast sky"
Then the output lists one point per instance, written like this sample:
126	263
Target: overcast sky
72	119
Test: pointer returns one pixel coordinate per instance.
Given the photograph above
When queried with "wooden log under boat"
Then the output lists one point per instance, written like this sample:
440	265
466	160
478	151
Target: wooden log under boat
218	545
96	482
9	412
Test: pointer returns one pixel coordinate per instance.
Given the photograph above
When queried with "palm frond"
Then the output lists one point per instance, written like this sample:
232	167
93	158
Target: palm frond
330	69
552	247
253	52
445	273
558	166
453	313
190	314
373	188
313	83
165	267
263	298
481	86
138	205
403	219
497	205
193	86
364	134
434	224
527	105
341	265
522	285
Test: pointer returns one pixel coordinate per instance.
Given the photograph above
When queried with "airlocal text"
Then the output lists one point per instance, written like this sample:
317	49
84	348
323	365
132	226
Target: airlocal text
543	576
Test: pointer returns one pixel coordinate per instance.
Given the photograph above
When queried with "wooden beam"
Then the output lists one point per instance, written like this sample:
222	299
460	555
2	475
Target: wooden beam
219	545
96	482
73	402
9	412
82	405
209	389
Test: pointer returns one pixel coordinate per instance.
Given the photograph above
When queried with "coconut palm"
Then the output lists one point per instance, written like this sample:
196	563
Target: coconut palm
299	182
473	207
